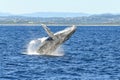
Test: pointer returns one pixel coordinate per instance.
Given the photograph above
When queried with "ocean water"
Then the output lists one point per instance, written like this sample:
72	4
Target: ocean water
92	53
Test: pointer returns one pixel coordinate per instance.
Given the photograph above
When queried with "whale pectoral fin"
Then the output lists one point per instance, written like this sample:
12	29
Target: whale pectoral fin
49	32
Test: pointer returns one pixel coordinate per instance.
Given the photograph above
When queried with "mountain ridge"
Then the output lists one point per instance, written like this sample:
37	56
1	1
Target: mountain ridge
47	14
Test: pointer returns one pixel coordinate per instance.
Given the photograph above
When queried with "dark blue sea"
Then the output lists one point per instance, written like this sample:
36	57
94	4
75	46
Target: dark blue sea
92	53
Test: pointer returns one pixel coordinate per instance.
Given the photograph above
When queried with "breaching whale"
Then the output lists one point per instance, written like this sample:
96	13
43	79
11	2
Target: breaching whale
47	45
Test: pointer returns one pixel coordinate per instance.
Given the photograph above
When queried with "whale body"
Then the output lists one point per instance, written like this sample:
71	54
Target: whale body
48	45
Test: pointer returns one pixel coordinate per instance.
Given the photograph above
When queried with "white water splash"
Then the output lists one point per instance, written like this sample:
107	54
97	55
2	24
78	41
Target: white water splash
35	44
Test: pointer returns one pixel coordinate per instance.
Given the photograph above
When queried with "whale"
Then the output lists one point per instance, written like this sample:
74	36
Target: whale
47	45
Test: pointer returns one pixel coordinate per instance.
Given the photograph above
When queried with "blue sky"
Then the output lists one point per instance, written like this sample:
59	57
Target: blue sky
84	6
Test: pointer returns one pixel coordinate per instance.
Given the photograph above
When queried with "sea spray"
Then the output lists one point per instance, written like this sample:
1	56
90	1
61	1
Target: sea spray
32	48
35	44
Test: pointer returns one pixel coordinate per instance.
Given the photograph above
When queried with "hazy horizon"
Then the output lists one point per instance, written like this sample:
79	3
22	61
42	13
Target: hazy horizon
76	6
57	12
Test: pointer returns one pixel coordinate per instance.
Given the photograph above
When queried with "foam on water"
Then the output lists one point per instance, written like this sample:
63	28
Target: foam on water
35	44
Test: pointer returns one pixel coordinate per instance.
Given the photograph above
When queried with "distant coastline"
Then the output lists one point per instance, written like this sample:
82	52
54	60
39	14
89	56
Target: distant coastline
56	25
91	20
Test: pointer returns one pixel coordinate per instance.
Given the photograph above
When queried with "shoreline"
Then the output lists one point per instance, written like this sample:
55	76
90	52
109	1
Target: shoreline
55	25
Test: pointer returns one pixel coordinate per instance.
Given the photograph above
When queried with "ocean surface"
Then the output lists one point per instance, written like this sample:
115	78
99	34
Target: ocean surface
92	53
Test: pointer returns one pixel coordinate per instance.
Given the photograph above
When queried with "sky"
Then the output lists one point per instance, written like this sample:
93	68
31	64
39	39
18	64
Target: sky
75	6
